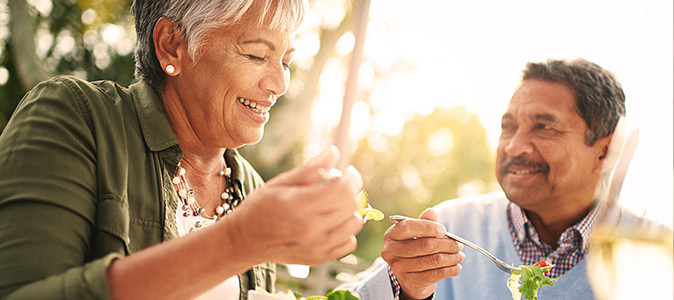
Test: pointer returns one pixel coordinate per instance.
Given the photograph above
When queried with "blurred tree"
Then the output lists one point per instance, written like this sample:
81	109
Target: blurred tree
437	157
91	39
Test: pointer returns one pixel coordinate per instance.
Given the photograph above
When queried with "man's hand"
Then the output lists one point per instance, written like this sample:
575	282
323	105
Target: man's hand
420	255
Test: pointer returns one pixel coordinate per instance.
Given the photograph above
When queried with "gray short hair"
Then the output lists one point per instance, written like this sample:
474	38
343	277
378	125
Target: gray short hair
600	99
194	19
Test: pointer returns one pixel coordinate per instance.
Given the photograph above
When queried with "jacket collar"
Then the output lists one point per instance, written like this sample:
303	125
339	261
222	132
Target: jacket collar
154	122
157	131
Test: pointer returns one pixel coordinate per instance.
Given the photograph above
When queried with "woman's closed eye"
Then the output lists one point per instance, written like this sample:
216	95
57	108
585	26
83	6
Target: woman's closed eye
286	65
256	58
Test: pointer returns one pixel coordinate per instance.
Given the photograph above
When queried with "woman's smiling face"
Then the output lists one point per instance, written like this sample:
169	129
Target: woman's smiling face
240	72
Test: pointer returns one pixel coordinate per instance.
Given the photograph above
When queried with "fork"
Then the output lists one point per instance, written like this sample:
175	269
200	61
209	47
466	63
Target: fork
499	263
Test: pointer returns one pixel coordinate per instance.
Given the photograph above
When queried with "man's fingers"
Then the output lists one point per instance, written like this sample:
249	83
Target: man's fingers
427	277
409	229
429	214
429	262
420	247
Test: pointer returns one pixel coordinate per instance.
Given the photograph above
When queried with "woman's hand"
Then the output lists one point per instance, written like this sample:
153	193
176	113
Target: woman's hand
420	256
300	218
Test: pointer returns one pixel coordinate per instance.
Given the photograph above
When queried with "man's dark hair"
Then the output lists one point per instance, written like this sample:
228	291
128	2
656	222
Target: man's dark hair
600	99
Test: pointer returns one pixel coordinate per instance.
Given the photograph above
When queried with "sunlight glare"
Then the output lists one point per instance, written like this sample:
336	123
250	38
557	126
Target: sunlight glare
65	43
112	34
4	75
360	121
43	6
88	16
307	45
441	142
345	44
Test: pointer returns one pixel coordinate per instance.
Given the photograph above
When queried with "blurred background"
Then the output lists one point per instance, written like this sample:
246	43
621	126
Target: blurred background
434	79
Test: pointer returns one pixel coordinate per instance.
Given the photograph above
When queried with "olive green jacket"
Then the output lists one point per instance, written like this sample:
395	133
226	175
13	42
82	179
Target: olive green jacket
85	177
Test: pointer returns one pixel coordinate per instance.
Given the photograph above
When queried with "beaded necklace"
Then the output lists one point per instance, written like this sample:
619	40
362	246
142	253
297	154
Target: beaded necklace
191	208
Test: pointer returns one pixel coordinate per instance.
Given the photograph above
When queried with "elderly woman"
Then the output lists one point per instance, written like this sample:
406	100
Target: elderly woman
139	193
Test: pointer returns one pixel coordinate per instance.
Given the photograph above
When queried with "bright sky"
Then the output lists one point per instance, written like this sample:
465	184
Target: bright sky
471	53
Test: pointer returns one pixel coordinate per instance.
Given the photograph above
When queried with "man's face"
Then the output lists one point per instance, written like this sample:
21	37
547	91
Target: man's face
542	160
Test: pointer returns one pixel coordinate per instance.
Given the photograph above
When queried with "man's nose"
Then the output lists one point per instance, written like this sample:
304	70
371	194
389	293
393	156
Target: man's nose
518	144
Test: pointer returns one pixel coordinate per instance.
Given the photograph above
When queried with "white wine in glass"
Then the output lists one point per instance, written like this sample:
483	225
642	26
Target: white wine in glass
631	263
627	261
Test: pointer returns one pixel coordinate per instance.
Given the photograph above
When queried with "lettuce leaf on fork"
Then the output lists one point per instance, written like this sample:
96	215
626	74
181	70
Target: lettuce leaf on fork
530	278
365	210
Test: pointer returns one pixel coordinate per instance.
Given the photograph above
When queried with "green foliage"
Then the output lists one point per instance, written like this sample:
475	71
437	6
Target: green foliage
64	22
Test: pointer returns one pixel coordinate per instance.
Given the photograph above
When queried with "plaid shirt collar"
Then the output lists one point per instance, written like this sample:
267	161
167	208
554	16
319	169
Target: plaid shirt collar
576	235
573	243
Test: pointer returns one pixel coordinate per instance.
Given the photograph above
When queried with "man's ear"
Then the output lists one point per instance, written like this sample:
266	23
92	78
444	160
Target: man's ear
169	46
604	152
602	145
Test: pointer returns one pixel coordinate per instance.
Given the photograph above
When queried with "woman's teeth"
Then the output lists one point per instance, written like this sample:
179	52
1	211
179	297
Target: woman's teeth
254	106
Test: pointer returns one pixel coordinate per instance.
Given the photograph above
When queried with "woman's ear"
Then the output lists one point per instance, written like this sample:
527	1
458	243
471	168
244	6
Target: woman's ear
169	46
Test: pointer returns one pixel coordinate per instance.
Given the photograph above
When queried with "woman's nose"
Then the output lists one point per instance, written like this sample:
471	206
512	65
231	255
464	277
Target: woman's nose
276	80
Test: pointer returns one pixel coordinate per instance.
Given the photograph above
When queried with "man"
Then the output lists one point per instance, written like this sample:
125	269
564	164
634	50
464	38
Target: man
555	137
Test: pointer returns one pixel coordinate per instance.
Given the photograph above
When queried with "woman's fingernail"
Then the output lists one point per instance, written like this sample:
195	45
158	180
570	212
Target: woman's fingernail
328	149
328	174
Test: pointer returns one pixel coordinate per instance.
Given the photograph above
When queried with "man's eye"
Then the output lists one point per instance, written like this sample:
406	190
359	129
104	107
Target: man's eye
286	65
507	127
543	127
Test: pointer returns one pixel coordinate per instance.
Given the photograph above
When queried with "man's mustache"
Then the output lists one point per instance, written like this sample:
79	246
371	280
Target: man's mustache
521	161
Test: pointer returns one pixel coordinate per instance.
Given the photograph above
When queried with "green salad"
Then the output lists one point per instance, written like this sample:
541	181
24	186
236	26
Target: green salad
530	278
289	295
335	295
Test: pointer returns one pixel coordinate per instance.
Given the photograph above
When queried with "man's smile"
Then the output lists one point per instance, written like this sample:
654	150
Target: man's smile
521	166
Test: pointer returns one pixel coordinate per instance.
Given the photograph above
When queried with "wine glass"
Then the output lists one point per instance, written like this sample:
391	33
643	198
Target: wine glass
627	261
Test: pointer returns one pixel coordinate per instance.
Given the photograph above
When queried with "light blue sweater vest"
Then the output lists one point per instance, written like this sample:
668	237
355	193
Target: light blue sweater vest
482	220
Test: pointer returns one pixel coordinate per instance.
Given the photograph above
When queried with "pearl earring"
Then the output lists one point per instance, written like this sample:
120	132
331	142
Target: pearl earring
170	69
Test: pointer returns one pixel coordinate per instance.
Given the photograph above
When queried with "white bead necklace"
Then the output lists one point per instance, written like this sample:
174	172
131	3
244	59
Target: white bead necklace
191	208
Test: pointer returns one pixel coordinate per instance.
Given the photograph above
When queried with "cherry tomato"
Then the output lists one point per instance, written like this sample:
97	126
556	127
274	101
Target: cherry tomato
544	264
